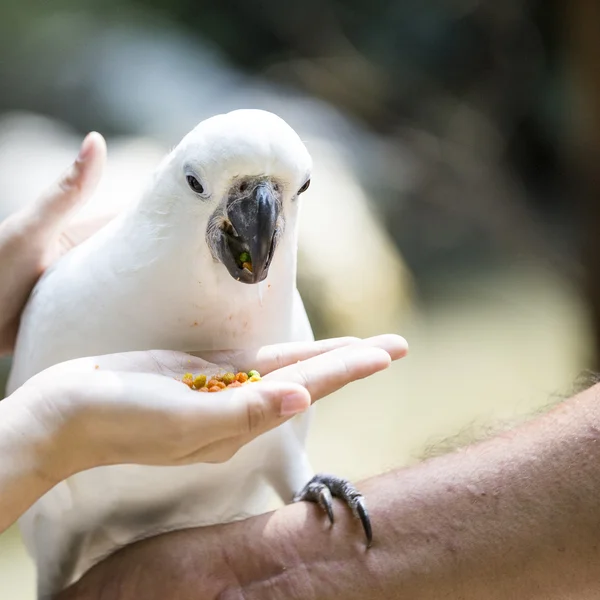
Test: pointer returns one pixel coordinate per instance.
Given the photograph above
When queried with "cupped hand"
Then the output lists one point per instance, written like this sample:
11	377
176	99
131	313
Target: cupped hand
133	407
33	238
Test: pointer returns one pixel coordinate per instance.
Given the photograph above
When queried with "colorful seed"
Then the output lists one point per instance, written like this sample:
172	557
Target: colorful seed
199	382
218	383
228	378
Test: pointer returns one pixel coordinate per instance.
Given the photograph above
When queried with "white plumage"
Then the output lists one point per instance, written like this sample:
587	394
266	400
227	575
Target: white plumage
149	280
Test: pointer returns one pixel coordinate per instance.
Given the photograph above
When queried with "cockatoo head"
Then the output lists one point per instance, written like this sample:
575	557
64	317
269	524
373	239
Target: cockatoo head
239	176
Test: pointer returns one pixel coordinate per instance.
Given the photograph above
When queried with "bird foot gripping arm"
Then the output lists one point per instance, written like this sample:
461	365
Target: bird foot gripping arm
320	490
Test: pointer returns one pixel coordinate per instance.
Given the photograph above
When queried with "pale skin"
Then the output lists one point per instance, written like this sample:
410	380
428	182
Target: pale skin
514	517
129	408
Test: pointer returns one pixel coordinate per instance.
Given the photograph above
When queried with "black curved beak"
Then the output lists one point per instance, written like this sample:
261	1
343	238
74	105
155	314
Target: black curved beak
254	221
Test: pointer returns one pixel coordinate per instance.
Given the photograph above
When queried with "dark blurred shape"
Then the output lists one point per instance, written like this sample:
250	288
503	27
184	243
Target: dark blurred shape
582	18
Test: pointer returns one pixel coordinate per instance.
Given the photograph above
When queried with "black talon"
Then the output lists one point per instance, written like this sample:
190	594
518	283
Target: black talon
326	502
321	488
363	515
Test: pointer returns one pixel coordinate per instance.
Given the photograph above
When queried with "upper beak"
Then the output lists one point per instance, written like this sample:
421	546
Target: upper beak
254	220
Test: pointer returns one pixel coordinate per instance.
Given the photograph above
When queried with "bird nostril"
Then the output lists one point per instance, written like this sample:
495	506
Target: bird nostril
243	186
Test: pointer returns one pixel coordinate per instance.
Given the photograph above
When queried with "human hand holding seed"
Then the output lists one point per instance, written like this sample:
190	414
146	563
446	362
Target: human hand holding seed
133	407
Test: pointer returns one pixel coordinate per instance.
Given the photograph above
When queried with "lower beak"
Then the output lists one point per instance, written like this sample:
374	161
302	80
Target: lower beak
254	220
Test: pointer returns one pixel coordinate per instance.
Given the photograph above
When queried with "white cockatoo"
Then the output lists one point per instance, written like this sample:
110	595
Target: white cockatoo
166	273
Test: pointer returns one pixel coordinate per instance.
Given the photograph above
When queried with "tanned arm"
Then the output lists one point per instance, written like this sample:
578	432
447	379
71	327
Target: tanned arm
514	517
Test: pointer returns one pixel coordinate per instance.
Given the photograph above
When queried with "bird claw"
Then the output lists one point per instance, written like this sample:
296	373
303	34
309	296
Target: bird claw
320	490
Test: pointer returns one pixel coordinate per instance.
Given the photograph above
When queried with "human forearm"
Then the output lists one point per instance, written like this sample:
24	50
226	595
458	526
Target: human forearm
514	517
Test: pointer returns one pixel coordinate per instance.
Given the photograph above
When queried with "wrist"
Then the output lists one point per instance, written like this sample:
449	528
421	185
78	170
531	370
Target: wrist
43	416
32	469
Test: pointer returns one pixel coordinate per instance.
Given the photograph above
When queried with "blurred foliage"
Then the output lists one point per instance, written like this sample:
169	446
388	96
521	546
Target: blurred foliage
474	91
389	62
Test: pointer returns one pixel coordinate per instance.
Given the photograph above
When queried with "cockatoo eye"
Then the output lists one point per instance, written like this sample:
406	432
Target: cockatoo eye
304	187
195	184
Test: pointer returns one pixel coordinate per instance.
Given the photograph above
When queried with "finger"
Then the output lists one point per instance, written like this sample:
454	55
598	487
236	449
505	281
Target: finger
276	356
325	374
395	345
74	187
230	416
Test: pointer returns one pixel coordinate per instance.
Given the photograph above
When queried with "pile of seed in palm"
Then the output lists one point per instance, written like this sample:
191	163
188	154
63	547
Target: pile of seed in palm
217	383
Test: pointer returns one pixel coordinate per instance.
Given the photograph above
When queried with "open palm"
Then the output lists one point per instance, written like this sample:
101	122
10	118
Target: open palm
133	408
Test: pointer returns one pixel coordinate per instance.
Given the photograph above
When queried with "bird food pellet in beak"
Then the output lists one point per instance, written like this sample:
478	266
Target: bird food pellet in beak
246	261
201	383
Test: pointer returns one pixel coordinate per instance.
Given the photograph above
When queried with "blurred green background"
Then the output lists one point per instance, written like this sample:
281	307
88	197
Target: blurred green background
455	196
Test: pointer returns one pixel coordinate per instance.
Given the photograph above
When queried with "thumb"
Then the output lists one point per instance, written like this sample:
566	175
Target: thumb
256	408
49	213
